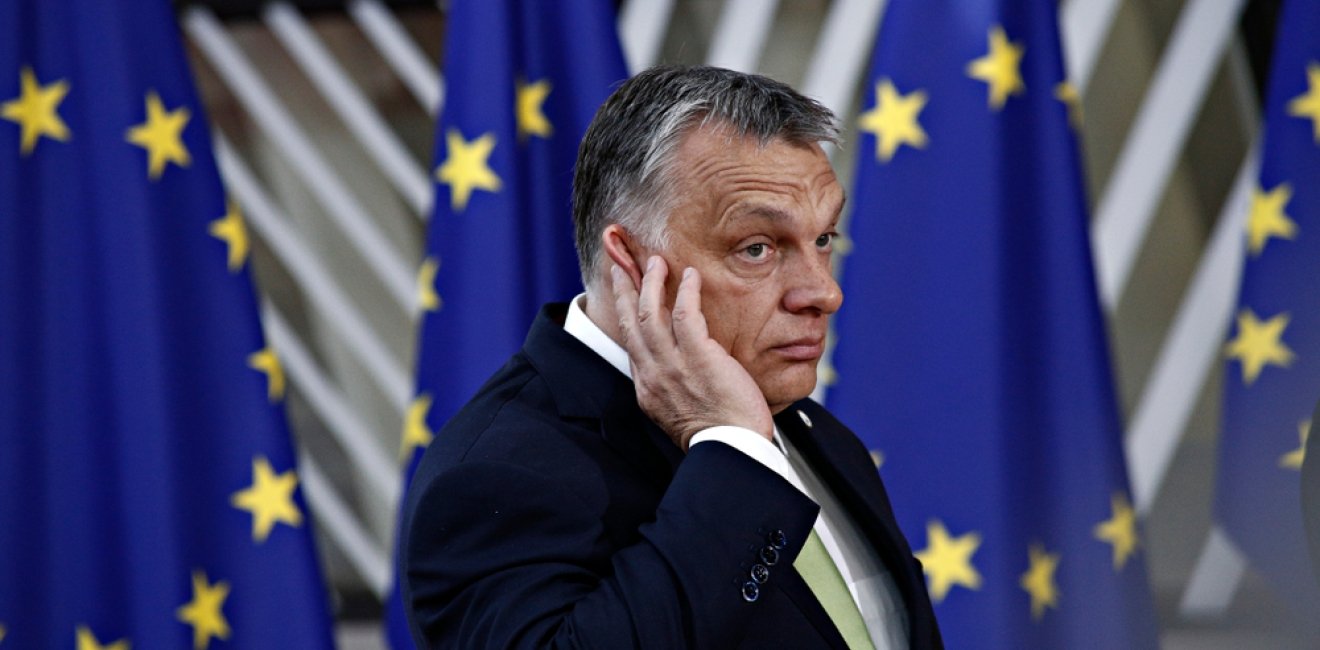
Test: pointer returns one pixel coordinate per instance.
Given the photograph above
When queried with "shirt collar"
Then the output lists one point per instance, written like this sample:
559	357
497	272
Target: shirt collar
581	327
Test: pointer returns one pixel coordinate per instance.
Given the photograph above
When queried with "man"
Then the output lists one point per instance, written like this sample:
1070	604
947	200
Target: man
646	471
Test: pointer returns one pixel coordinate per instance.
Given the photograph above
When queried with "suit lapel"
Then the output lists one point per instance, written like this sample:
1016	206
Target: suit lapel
825	452
829	448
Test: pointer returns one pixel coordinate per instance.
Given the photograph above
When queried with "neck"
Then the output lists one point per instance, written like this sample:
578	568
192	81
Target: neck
600	309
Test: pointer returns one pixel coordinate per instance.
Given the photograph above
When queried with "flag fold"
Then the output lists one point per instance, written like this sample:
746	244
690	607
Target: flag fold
972	356
148	489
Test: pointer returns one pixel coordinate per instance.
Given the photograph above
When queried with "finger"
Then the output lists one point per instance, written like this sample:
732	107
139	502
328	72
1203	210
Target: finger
689	323
652	316
625	306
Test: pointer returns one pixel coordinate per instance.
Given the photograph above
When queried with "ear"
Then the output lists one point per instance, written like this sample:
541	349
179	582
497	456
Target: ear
623	251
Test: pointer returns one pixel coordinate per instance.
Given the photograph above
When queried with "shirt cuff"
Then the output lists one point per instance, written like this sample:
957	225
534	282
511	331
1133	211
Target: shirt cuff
750	443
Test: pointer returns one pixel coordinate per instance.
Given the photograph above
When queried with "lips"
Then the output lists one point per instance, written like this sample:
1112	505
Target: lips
808	348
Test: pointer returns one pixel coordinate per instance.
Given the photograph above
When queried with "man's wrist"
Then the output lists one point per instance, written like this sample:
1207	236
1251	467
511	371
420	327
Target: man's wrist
747	441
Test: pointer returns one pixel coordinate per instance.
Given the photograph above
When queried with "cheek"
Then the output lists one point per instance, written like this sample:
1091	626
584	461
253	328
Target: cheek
725	318
740	313
752	326
723	326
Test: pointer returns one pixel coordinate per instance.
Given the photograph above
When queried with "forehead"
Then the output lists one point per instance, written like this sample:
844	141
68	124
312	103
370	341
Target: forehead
720	168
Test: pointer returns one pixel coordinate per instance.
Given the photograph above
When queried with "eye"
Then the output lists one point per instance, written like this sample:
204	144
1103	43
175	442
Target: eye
826	241
757	251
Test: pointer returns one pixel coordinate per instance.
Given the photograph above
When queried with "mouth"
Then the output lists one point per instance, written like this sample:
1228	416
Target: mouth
808	348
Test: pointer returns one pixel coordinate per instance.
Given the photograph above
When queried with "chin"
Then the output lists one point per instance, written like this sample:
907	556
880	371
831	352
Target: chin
788	386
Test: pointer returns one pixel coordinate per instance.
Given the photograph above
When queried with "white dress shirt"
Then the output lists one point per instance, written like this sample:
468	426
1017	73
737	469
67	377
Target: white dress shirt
868	580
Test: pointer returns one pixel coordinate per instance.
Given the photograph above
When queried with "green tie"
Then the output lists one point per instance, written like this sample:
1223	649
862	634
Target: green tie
823	577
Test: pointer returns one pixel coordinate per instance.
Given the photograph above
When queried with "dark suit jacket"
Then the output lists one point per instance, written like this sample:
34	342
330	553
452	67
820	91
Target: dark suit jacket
551	512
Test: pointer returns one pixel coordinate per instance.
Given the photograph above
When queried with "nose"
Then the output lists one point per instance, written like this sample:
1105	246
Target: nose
811	286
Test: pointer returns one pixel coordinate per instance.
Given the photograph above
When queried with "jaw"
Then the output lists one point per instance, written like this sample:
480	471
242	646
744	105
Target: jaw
786	383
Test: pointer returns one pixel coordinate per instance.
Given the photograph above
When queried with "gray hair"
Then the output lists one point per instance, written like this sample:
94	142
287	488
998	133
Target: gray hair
624	171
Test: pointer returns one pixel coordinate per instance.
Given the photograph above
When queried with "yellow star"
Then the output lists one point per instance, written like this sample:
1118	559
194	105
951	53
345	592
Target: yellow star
1067	93
1258	344
1038	581
1307	104
161	136
204	613
877	458
828	375
269	499
416	434
530	109
893	120
999	68
1268	218
231	230
87	641
2	633
843	245
948	560
466	168
1120	529
1294	458
427	298
265	362
35	110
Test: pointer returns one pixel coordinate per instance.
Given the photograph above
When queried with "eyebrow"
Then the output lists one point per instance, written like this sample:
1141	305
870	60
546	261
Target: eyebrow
763	211
774	214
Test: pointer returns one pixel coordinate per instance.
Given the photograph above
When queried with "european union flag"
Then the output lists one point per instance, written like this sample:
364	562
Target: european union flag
1272	376
148	495
523	79
971	348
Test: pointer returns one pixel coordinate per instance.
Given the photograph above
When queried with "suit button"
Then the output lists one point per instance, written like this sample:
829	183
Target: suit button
759	573
777	539
751	591
769	555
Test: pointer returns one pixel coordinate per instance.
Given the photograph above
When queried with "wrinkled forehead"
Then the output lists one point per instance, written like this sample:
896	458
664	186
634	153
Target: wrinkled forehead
719	172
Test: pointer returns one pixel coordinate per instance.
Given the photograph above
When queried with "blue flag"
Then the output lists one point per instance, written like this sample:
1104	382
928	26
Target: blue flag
971	352
523	80
1272	372
148	495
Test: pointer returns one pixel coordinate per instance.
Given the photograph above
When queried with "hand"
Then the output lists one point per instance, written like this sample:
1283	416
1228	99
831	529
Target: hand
686	382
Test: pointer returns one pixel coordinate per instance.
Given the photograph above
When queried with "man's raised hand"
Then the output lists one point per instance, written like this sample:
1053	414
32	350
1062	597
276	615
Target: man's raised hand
686	381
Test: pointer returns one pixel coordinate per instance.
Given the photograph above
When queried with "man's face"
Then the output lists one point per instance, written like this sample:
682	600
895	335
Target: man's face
759	223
